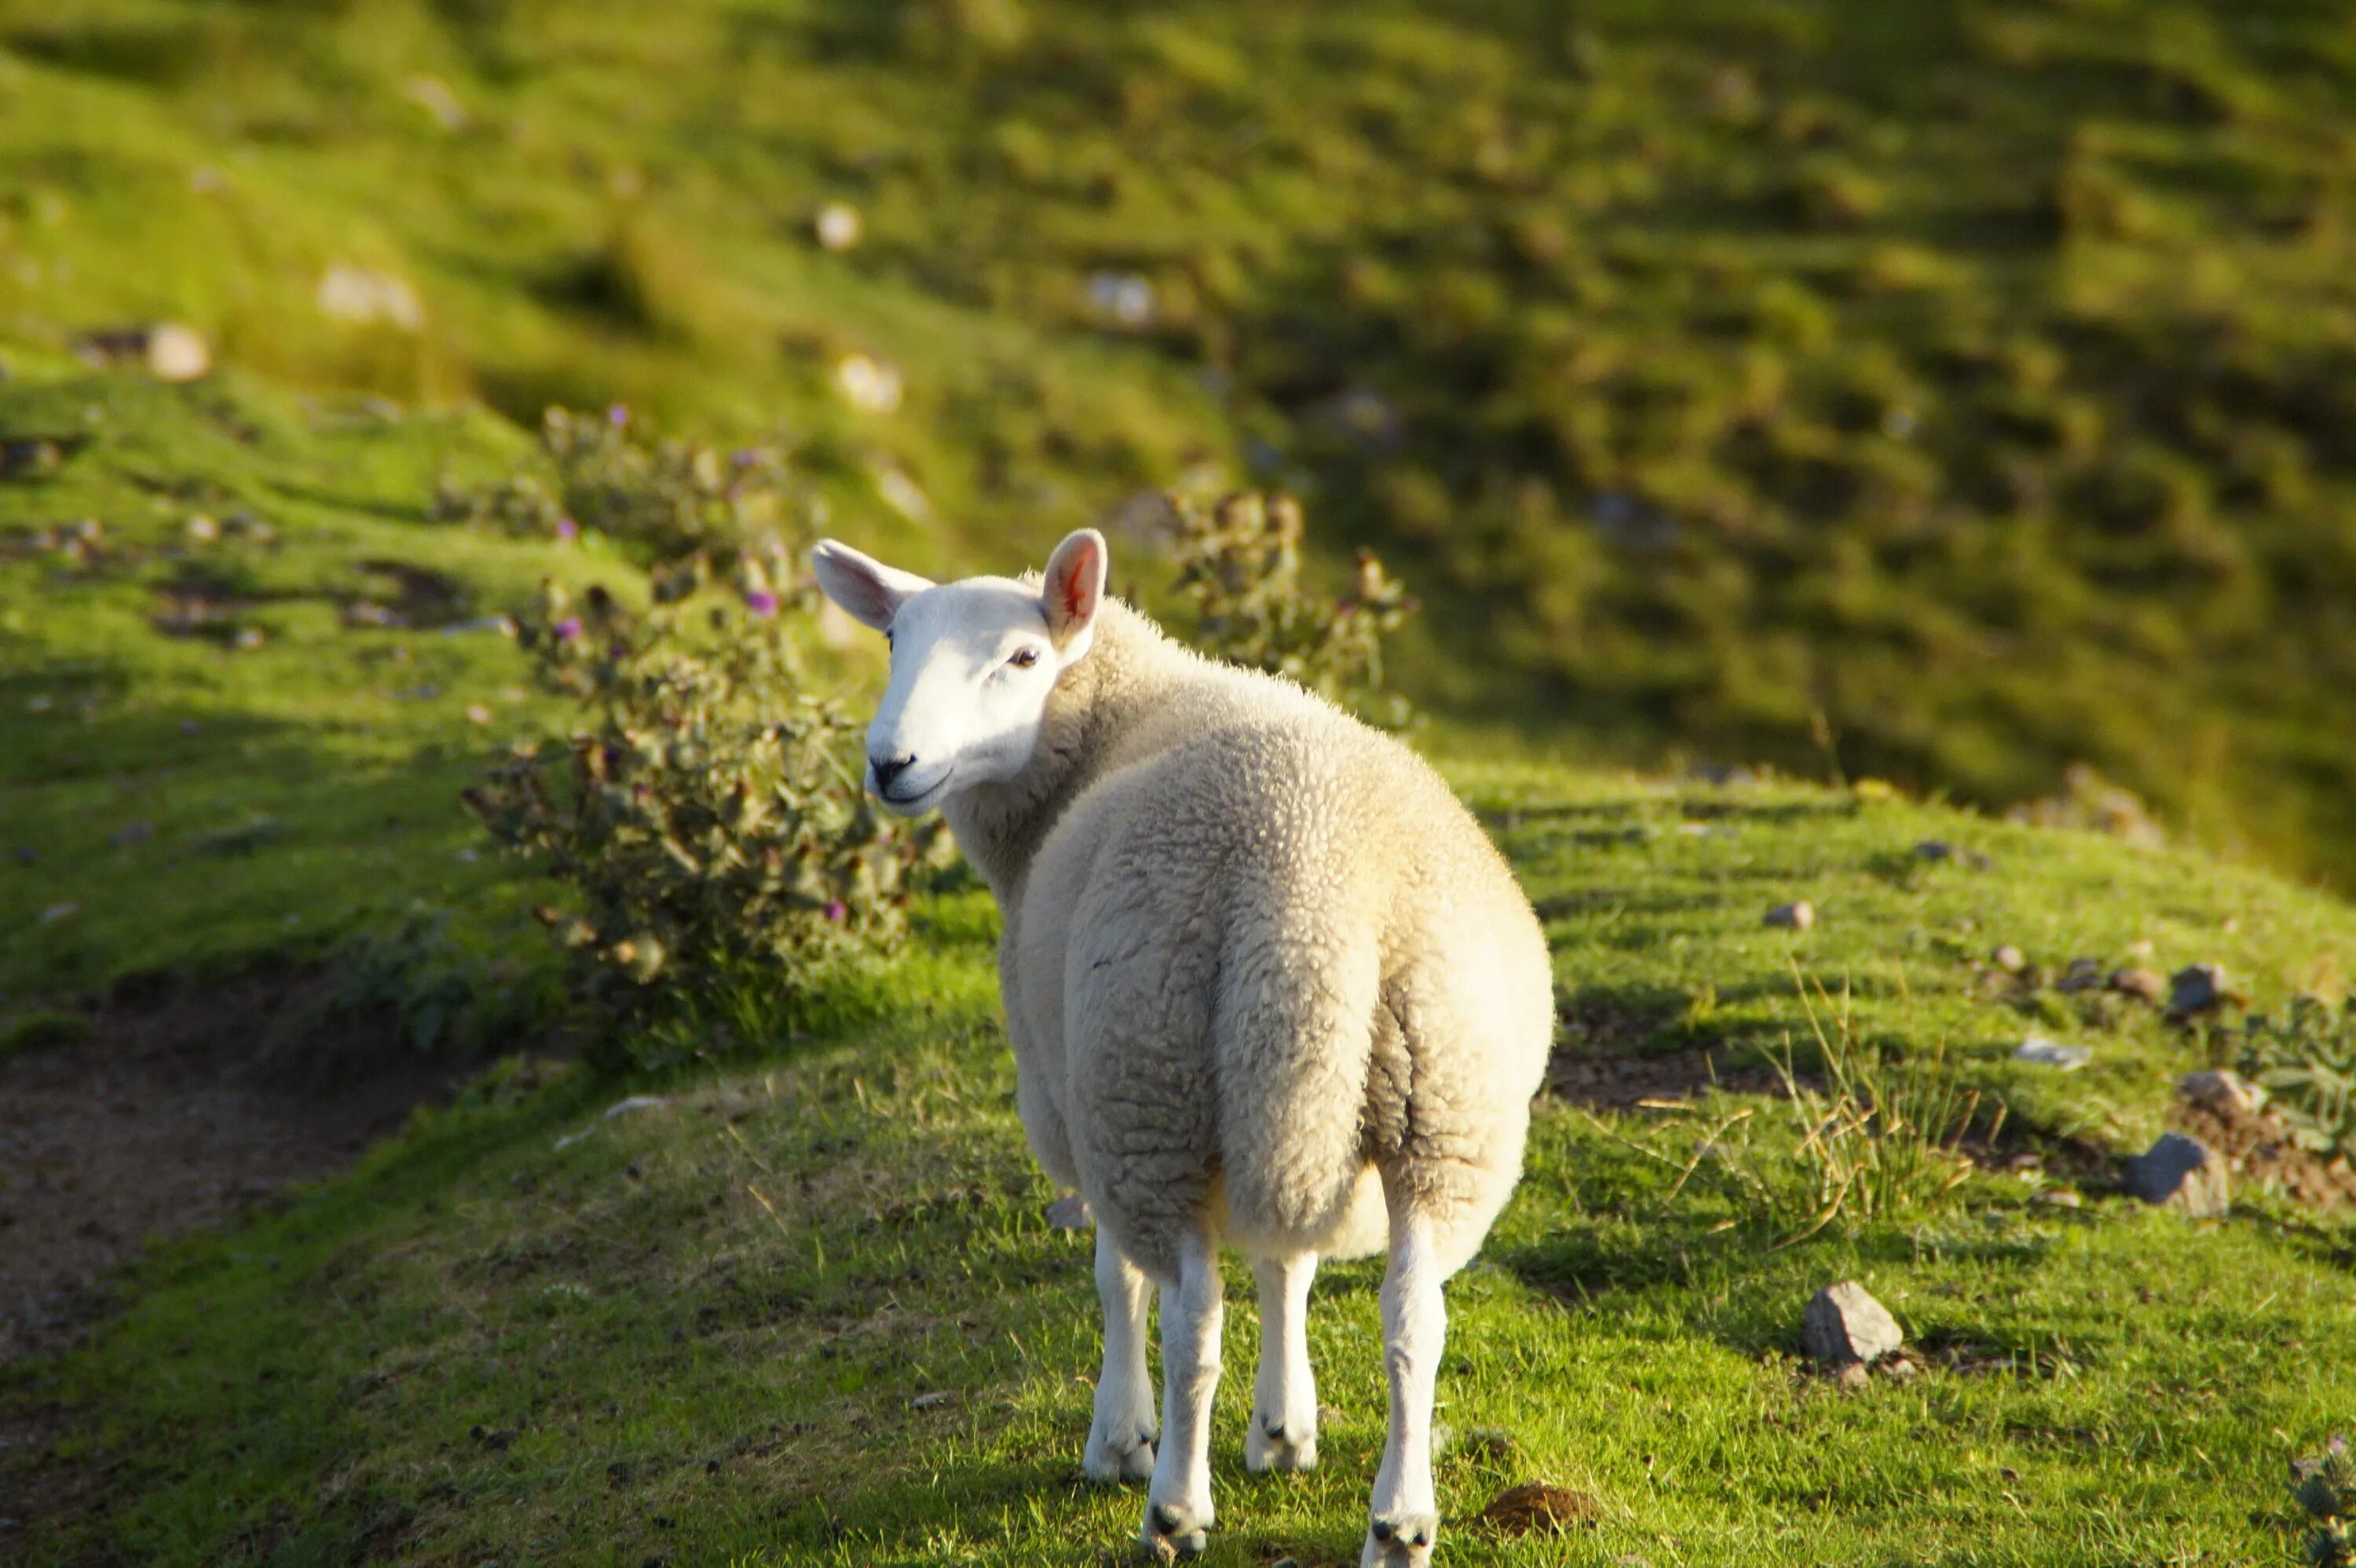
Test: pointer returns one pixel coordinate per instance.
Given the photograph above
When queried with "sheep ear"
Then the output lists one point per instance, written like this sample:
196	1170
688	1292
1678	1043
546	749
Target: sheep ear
1073	591
871	591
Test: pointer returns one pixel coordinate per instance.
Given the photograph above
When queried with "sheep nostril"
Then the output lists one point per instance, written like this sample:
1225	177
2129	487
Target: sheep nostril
890	768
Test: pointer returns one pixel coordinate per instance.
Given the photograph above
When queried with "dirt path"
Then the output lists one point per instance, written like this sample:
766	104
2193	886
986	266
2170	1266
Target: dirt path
179	1111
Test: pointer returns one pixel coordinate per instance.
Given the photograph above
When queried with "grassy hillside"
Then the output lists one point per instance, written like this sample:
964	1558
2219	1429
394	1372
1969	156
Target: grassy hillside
808	1310
806	1307
1976	376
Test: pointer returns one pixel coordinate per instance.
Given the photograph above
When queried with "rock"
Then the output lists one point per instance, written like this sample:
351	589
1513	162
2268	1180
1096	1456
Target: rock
1125	299
934	1400
838	226
363	296
2217	1090
1070	1212
1855	1374
2039	1051
2058	1198
1798	916
2146	983
170	351
2009	959
868	384
633	1105
2179	1171
2196	988
1934	850
1844	1324
1534	1507
2084	975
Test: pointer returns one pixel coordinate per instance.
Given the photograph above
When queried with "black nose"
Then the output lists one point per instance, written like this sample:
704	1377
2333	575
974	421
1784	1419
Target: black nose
888	769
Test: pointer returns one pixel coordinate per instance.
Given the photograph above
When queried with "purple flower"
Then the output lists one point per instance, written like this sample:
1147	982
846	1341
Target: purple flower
568	628
762	602
745	457
567	529
617	416
835	911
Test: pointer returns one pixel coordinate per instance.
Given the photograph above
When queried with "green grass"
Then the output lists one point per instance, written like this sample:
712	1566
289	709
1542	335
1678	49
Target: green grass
1975	375
1972	375
697	1332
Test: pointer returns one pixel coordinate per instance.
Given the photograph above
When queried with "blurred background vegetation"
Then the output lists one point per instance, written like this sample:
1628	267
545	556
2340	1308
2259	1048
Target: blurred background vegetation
1947	392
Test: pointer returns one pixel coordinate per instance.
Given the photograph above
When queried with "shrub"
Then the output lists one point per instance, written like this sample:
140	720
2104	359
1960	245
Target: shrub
2324	1491
704	820
1239	570
665	498
2306	1063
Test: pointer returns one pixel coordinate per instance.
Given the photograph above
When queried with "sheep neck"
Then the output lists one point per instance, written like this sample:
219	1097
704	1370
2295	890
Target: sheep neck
1126	677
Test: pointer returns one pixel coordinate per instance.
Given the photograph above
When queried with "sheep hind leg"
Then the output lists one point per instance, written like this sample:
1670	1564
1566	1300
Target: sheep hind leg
1178	1504
1283	1431
1404	1519
1120	1443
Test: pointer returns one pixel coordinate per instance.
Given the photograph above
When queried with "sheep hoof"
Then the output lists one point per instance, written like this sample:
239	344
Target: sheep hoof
1279	1446
1111	1460
1400	1541
1173	1528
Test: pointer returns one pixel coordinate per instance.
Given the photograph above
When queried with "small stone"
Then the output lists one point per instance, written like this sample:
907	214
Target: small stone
2084	975
2181	1172
249	638
2196	988
2009	959
2058	1198
1535	1508
838	226
868	384
57	912
1843	1325
2039	1051
203	530
479	714
2146	984
933	1400
1855	1375
1900	1369
1934	850
1796	916
2224	1093
633	1105
1070	1212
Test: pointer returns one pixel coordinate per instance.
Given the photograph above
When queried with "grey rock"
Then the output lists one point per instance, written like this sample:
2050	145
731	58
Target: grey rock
2084	975
1796	916
2009	959
2039	1051
1843	1324
2196	988
2181	1172
2226	1093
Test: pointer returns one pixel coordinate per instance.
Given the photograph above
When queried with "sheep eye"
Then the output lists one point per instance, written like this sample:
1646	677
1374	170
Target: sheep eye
1025	658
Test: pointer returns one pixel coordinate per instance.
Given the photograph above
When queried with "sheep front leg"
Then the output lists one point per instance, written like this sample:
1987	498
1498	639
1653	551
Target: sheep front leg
1406	1515
1283	1431
1120	1443
1178	1504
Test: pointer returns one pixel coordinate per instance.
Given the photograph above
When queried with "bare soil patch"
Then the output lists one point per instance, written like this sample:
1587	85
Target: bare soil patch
183	1107
2259	1153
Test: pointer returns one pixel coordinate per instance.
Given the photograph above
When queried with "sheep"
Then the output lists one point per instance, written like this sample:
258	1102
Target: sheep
1267	982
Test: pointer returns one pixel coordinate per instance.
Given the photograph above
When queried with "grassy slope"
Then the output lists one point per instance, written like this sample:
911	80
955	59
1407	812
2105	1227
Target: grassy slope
1973	373
697	1333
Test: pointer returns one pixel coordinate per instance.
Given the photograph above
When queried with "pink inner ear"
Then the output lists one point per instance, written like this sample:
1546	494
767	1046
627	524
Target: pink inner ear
1076	583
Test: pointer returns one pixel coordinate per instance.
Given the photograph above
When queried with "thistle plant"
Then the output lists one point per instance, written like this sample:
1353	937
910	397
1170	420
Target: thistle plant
1239	568
665	498
2324	1491
2305	1062
704	819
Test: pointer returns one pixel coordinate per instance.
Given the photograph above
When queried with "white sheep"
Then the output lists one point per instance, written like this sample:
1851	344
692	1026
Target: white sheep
1267	982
